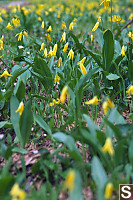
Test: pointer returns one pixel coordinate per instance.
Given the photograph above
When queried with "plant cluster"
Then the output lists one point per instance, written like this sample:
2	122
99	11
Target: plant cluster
66	79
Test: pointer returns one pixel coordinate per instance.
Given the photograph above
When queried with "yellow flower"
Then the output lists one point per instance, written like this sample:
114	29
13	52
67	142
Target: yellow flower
83	70
123	51
42	25
49	29
25	34
48	38
95	27
54	50
1	20
65	47
45	52
63	38
91	38
60	62
20	108
17	193
93	101
105	107
130	35
99	19
116	18
107	104
1	44
81	61
71	54
42	47
130	90
72	24
40	19
64	25
20	35
131	16
57	79
54	103
106	3
2	37
108	147
15	22
110	103
5	74
51	52
108	191
9	26
70	180
64	92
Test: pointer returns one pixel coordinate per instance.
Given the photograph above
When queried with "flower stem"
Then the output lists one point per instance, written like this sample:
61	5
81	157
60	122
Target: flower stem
111	15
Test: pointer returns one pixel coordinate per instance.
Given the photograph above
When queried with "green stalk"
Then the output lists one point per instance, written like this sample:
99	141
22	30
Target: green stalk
111	15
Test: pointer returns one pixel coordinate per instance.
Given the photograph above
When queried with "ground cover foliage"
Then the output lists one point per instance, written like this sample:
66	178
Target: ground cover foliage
66	101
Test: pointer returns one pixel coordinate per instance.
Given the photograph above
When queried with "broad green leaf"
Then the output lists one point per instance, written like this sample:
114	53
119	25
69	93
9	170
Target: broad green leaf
15	118
5	185
19	150
115	116
91	126
80	46
15	75
43	69
2	103
108	50
42	124
76	193
70	143
130	70
6	124
130	151
98	172
20	90
66	139
26	121
112	77
87	77
6	168
99	176
100	38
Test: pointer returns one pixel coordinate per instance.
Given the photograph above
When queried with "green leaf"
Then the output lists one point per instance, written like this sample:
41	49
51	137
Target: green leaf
5	185
15	118
43	69
108	50
99	176
91	126
66	139
6	168
2	103
6	124
42	124
80	46
17	73
26	121
70	143
112	77
76	193
115	116
19	150
20	90
98	172
130	151
87	77
100	38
